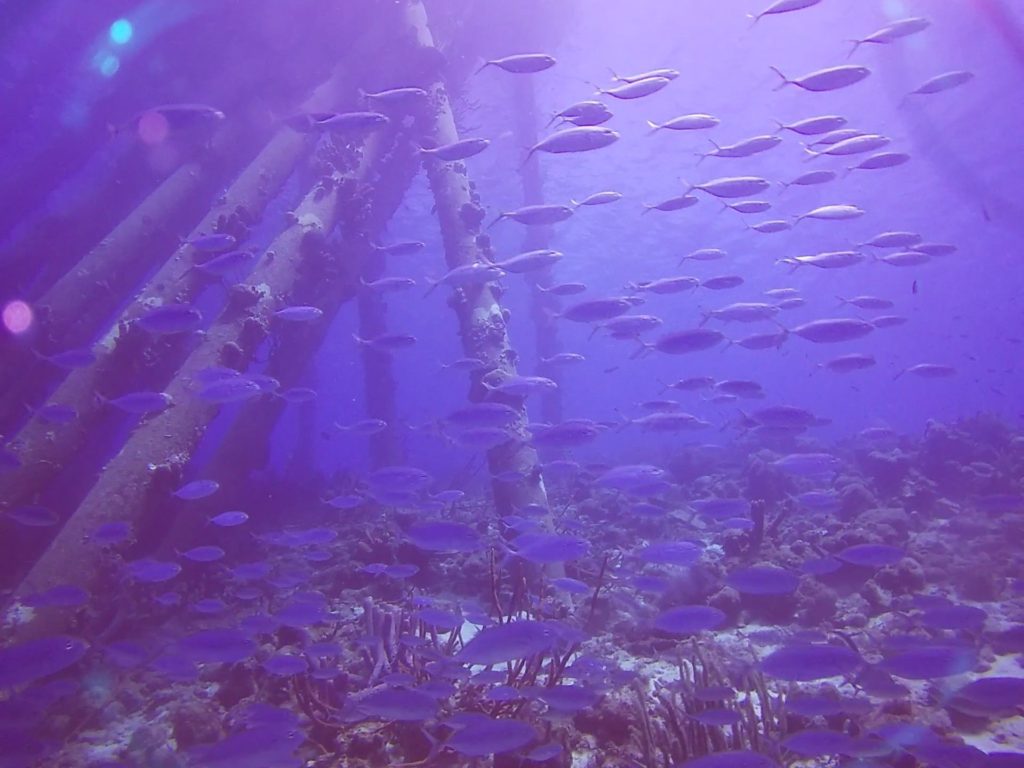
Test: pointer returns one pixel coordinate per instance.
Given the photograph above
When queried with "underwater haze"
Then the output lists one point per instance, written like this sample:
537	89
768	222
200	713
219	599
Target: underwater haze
464	383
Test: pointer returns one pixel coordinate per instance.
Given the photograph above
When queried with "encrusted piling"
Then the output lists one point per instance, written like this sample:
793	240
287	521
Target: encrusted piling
246	446
543	306
482	323
128	357
150	463
76	308
378	373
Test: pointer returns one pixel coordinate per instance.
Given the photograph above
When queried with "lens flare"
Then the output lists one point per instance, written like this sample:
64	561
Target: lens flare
17	316
109	65
121	32
153	128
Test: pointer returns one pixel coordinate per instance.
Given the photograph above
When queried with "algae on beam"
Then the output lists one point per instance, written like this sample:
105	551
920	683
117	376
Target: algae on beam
481	319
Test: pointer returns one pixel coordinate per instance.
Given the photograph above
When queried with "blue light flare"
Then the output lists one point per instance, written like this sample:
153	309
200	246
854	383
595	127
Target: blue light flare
121	32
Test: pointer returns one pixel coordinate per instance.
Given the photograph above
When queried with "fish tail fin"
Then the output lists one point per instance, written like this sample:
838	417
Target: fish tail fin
435	745
664	387
785	80
647	208
784	185
899	373
359	340
500	217
812	152
842	302
849	169
704	317
433	285
594	332
574	204
856	45
725	206
689	187
642	351
781	125
483	66
615	75
654	126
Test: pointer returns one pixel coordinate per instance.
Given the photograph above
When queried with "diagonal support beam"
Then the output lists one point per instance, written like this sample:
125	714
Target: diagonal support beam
481	321
150	462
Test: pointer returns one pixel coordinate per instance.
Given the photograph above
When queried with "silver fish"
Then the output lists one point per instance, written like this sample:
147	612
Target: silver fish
676	203
743	312
521	63
866	142
747	207
828	260
892	31
752	146
833	330
943	82
812	126
534	215
830	79
457	150
880	160
855	361
840	212
732	186
637	89
396	96
771	227
584	113
668	74
809	178
578	139
598	198
468	274
529	261
783	6
694	122
894	240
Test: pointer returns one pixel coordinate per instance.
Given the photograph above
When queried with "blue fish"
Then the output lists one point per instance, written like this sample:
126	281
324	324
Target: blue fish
196	489
32	660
